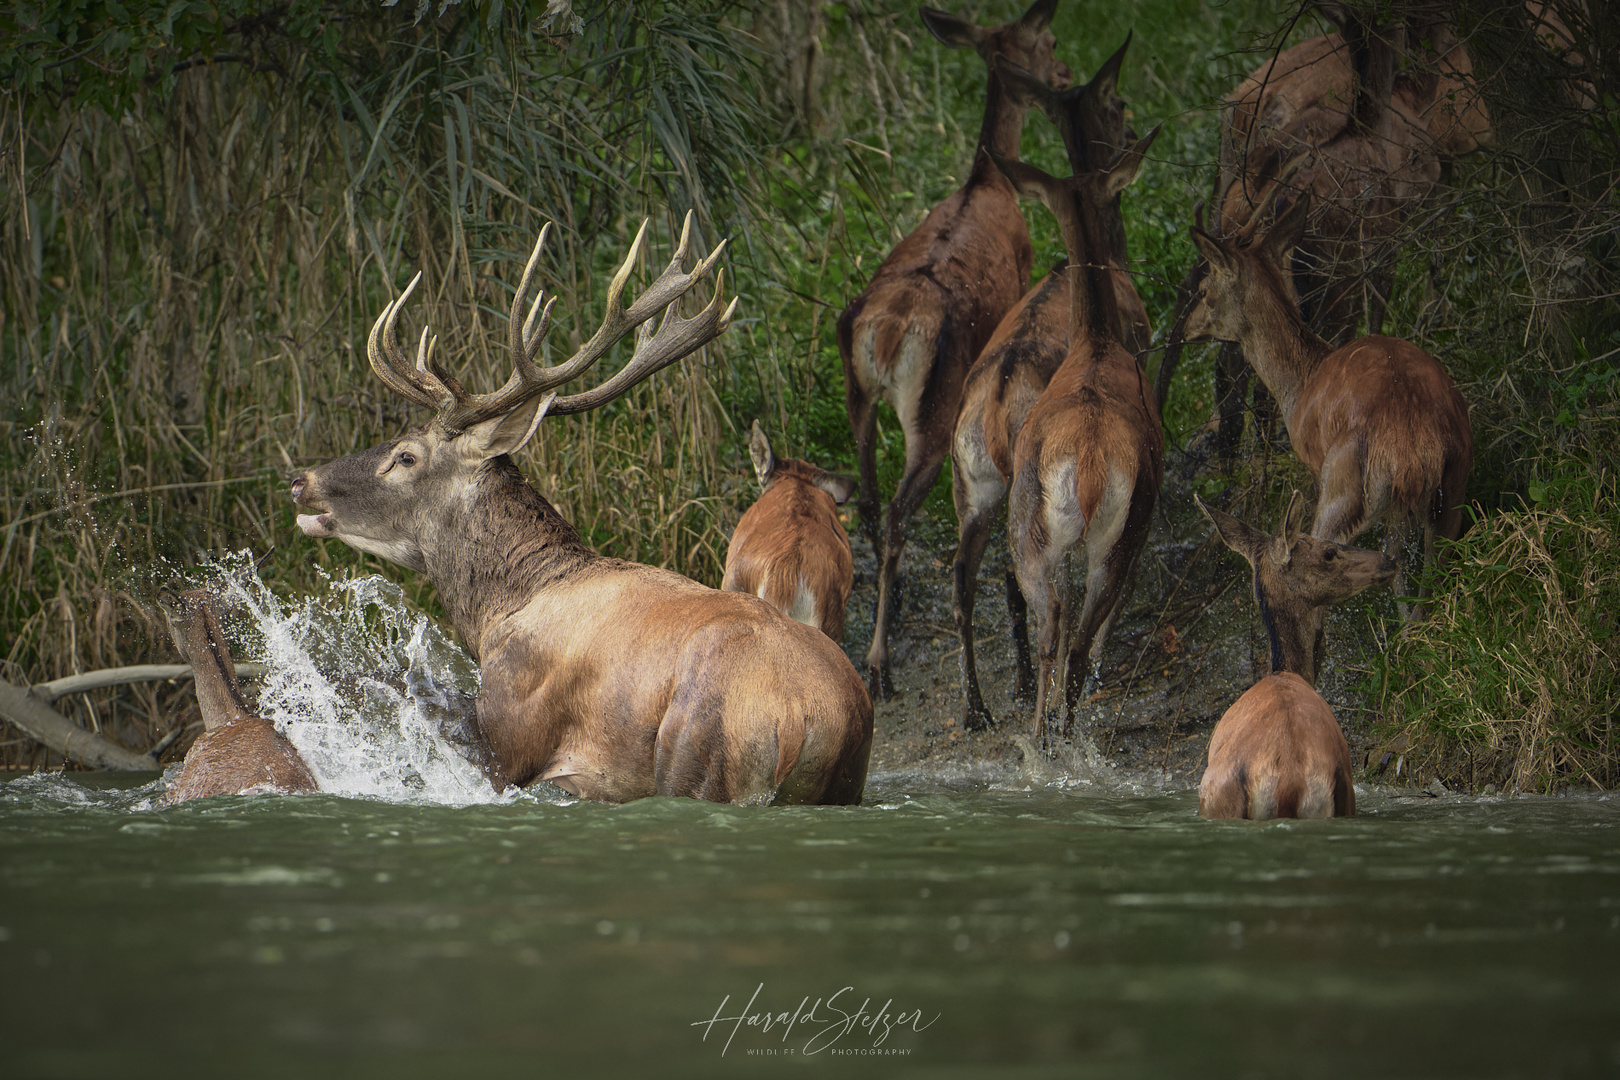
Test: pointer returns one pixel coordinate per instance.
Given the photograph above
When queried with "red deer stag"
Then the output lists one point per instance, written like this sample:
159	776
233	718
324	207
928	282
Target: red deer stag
1014	368
1378	421
611	679
790	549
238	753
1278	751
1089	460
911	335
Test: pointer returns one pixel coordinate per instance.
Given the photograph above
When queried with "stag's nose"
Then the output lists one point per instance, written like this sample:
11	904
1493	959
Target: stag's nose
298	486
1387	565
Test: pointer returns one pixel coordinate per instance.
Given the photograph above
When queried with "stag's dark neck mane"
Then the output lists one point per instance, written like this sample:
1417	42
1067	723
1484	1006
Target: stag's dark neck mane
509	545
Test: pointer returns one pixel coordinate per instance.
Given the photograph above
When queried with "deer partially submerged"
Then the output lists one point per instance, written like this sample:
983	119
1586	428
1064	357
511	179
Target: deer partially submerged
790	549
1278	751
1090	457
611	679
911	335
239	752
1027	348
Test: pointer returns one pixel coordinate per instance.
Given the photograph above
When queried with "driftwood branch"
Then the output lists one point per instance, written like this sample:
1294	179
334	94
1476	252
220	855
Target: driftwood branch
29	708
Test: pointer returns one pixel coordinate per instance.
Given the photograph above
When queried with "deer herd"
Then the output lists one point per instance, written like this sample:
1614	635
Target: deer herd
616	681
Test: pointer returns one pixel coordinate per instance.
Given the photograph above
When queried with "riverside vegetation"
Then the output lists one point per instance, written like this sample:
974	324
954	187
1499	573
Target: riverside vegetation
206	205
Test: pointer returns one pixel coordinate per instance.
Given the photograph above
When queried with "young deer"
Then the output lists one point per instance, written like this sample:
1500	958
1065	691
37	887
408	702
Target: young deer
790	549
1089	460
911	335
1015	367
1378	421
238	753
1278	751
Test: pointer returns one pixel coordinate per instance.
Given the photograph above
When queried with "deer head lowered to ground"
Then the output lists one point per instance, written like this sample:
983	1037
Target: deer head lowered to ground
1278	751
1378	421
911	335
239	752
790	549
611	679
1090	457
1019	360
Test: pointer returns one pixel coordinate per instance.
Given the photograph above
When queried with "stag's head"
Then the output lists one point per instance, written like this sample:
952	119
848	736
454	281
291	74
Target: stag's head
1248	272
386	500
1026	41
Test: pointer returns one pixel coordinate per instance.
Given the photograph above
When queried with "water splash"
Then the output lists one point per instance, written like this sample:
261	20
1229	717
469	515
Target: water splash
360	684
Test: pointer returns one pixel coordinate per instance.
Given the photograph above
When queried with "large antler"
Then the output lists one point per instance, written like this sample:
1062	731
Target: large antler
426	383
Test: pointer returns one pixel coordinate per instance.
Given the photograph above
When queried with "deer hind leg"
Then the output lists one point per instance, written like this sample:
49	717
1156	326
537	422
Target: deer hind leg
863	422
972	535
1018	610
1231	390
1038	563
1341	509
924	456
1112	546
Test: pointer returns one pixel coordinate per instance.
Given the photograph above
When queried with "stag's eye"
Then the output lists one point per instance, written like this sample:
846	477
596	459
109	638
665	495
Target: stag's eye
406	459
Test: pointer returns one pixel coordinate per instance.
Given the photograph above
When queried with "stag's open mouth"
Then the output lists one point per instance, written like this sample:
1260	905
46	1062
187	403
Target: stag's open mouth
317	525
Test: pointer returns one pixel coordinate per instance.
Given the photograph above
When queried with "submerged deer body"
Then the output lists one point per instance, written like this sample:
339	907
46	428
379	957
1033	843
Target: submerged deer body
1089	460
790	549
911	335
611	679
1013	370
239	752
1378	422
1278	751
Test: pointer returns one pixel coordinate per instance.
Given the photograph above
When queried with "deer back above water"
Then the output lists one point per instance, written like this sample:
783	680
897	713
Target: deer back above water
1378	422
790	548
1089	459
1017	363
239	752
912	333
1278	751
611	679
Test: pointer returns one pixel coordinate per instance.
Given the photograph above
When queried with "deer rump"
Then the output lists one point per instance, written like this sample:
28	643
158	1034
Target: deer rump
1278	753
725	699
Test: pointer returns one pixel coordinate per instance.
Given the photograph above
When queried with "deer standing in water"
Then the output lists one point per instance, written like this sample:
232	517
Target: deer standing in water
790	549
1378	421
239	752
1015	367
911	335
1090	457
611	679
1278	751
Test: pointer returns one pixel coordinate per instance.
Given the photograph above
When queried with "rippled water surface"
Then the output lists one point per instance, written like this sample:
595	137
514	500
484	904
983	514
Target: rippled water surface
1023	932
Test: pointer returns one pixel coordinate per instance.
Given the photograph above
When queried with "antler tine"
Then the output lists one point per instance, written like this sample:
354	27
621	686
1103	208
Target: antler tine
675	338
389	361
1246	234
524	342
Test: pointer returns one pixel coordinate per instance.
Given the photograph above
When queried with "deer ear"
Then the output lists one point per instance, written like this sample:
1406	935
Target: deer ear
956	32
1103	83
1289	229
1026	179
839	487
1293	522
1213	250
506	434
759	448
1038	16
1242	539
1122	172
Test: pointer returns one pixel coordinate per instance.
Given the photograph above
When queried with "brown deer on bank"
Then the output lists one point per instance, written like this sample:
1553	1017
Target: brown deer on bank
1015	367
613	680
790	549
1378	421
911	335
1090	457
239	752
1278	751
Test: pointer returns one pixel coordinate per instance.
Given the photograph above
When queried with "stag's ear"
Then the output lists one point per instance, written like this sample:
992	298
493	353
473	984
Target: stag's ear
506	434
839	487
1122	172
1289	229
1242	539
956	32
1027	180
1103	83
759	448
1038	16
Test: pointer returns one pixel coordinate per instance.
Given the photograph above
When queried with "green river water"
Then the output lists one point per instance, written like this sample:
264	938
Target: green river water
998	932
